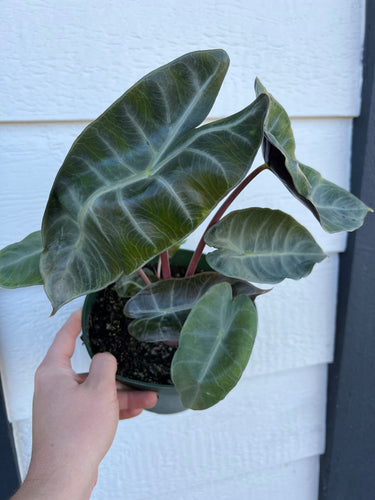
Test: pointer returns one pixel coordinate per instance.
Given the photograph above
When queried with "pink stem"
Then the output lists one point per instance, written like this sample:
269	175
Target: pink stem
158	270
165	266
199	250
143	275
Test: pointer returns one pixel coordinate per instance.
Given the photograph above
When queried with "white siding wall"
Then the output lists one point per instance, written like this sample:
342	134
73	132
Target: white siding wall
62	65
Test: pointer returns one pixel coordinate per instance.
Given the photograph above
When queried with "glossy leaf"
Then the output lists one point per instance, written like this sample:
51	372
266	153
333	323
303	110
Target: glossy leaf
279	146
19	262
161	308
140	178
127	286
335	208
215	346
338	209
163	328
262	245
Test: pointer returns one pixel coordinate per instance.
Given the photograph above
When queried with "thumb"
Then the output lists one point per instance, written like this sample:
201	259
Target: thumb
102	369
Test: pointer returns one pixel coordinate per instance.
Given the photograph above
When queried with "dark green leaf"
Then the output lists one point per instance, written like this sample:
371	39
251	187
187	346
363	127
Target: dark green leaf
140	178
262	245
215	346
334	207
279	146
127	286
163	328
160	309
19	262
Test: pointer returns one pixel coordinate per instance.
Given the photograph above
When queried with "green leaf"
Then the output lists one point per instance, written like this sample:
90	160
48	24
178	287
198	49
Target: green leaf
277	126
140	178
215	346
127	286
335	208
163	328
19	262
338	209
279	147
160	309
262	245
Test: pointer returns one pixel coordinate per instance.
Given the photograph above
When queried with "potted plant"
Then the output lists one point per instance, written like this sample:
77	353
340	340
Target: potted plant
135	183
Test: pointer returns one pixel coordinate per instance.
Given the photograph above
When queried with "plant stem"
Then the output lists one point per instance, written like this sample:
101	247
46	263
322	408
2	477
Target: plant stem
144	276
199	250
165	267
158	270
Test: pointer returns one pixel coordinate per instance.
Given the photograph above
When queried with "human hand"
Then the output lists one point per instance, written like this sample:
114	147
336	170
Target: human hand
75	419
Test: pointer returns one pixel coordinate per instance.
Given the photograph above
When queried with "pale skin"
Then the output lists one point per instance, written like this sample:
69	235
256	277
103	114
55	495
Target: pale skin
75	417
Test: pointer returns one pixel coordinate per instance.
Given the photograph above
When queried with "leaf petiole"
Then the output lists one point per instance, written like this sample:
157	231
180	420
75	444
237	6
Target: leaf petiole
144	276
199	250
165	266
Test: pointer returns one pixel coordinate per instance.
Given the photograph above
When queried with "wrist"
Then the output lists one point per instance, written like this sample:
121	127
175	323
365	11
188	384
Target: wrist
60	483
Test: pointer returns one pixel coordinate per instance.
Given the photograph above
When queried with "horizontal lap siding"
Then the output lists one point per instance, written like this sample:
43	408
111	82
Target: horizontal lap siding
224	447
63	67
31	155
72	62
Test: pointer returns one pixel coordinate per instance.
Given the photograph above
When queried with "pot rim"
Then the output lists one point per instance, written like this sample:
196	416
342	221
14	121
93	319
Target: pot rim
181	257
87	306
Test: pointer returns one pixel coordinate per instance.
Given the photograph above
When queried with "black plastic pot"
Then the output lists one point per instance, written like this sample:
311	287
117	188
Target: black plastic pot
168	398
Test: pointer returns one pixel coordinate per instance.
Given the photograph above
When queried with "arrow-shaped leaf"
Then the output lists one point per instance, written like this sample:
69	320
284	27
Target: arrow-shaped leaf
19	262
140	178
262	245
160	309
215	346
335	208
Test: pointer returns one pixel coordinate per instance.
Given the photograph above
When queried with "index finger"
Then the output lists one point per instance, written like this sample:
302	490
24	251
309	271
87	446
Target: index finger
63	346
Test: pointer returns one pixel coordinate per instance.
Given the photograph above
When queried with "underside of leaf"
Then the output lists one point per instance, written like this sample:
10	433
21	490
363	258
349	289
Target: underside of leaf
335	208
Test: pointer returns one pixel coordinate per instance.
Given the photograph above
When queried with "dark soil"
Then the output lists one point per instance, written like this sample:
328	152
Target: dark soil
108	332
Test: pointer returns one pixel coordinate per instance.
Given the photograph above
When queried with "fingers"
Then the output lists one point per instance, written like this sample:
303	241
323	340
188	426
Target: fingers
80	377
131	399
124	414
132	402
63	346
102	369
